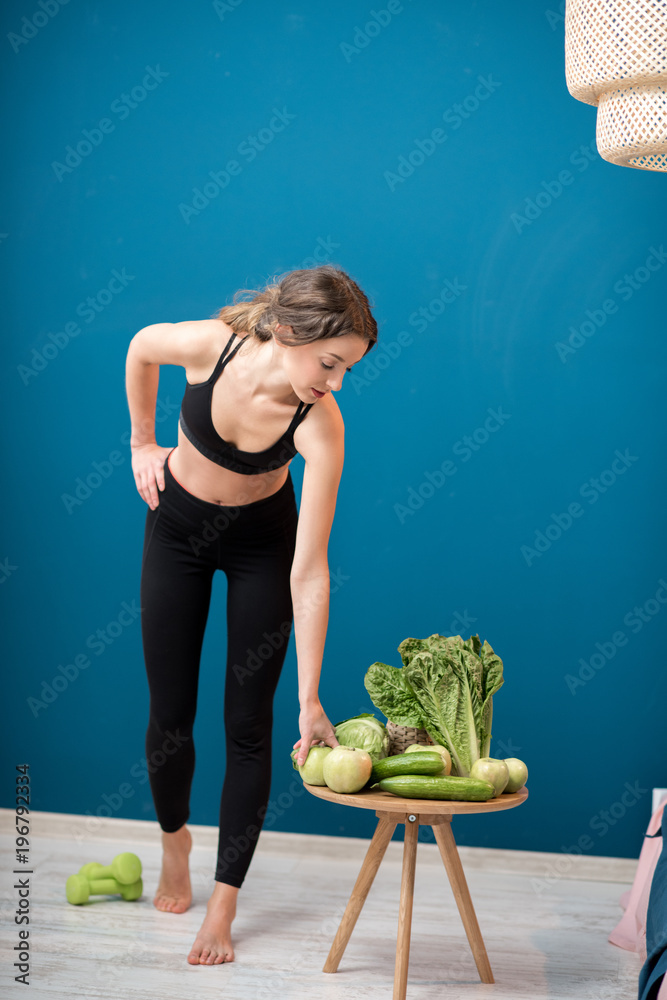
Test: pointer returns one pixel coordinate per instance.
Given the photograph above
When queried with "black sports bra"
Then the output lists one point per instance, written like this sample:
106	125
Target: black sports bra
197	425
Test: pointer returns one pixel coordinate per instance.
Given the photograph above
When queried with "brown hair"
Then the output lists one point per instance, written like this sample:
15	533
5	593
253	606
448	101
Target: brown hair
317	302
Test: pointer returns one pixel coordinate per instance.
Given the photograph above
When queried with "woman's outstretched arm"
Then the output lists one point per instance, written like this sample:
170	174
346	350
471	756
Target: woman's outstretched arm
323	450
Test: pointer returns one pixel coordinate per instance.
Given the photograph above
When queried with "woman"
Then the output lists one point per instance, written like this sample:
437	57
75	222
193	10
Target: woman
223	498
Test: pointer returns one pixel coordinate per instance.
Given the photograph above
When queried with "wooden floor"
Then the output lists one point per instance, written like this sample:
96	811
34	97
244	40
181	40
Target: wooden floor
545	941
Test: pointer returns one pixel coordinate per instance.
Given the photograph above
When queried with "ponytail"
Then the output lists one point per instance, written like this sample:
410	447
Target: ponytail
317	303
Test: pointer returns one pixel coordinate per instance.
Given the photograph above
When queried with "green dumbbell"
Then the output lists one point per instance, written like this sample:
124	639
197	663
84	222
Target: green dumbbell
90	869
79	888
125	868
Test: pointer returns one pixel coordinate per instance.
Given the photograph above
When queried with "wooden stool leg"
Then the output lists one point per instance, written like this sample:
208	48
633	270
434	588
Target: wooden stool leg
374	855
405	909
450	856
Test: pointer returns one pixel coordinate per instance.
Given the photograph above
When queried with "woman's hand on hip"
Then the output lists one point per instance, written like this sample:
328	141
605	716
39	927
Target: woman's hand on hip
314	727
148	468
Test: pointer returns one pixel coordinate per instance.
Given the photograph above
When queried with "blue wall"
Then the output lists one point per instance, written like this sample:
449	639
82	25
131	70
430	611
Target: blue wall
513	272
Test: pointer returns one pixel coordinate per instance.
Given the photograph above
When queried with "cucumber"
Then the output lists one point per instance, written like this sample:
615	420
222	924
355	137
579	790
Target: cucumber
408	763
422	786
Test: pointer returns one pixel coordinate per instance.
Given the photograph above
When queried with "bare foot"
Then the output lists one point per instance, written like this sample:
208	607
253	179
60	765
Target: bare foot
174	893
213	944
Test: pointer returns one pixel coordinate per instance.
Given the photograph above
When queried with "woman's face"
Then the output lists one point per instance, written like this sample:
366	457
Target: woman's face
318	368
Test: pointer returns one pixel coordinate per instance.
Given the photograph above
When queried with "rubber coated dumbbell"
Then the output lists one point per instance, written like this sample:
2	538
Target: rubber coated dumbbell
90	869
79	888
125	868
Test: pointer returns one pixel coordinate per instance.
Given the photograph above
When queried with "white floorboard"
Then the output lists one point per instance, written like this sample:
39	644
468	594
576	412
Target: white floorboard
546	941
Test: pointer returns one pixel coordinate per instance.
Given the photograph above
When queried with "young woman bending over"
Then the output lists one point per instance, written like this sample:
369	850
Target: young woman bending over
260	378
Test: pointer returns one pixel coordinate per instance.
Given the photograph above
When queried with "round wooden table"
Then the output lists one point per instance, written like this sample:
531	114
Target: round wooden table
437	813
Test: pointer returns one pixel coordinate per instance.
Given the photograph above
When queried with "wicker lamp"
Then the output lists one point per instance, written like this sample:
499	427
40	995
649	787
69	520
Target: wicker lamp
616	59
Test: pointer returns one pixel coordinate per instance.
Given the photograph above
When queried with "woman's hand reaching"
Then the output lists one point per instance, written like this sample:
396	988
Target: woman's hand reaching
148	468
314	727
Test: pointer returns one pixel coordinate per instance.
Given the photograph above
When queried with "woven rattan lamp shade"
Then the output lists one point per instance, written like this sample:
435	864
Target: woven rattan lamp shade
616	58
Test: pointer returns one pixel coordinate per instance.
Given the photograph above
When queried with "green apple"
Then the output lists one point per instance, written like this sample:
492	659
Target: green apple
438	748
496	772
347	769
518	774
311	769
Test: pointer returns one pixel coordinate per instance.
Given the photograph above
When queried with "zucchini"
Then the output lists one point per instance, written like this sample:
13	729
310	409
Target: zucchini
422	786
408	763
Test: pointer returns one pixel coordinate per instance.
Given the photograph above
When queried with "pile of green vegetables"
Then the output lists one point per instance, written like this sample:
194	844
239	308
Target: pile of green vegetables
446	686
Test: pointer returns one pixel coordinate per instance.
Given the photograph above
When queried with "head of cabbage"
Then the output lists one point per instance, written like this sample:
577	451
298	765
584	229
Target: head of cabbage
364	732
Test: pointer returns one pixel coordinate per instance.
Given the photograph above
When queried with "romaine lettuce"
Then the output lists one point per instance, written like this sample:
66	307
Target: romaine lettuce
446	687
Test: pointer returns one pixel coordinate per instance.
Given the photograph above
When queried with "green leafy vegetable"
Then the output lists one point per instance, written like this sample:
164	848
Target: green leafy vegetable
392	694
364	732
493	681
446	687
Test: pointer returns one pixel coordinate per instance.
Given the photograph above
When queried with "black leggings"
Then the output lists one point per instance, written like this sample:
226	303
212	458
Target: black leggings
186	540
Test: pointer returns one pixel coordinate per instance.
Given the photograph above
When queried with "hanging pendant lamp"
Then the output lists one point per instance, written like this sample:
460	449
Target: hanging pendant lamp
616	59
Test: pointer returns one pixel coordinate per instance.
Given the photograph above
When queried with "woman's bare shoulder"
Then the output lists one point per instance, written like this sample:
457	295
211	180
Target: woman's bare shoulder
322	430
190	343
